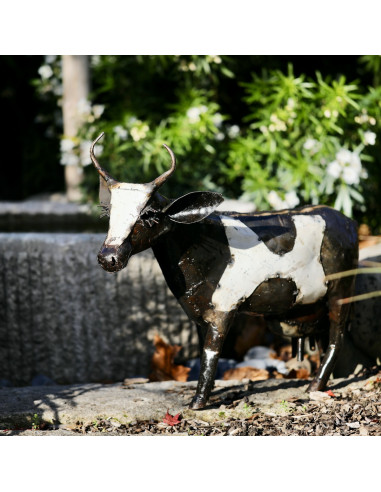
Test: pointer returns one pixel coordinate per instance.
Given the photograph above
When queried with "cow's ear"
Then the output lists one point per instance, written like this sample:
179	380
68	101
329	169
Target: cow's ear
193	207
104	193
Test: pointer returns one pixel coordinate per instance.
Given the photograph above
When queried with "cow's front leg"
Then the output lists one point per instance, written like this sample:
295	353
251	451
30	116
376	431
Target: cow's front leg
214	340
338	320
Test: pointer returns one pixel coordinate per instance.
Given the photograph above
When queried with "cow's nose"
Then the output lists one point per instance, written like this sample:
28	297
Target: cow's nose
108	258
113	259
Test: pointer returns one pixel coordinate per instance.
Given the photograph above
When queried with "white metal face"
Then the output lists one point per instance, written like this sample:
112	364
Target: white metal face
254	262
127	202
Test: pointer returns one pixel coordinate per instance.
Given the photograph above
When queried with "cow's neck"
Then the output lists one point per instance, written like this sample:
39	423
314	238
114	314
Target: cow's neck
193	257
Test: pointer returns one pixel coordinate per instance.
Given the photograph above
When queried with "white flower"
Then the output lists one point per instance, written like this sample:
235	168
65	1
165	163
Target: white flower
84	149
45	71
192	67
233	131
84	107
278	124
291	199
193	114
69	159
215	59
98	110
372	120
311	144
290	104
203	109
369	138
49	59
217	119
67	144
264	129
95	60
344	156
362	117
334	169
275	201
347	166
364	173
350	175
121	132
219	136
139	132
327	113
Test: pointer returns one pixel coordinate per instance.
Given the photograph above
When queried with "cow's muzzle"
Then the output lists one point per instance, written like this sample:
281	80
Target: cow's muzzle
112	258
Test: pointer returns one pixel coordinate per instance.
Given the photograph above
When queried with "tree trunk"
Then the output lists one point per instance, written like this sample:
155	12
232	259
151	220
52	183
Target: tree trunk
75	75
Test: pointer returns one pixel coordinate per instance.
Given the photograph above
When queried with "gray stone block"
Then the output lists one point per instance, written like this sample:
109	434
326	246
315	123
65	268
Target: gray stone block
64	317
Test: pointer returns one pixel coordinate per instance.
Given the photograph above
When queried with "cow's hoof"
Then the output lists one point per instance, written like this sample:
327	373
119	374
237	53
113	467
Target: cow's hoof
197	403
315	386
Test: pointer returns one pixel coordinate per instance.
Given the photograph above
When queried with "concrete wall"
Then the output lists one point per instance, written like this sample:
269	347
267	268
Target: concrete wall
61	315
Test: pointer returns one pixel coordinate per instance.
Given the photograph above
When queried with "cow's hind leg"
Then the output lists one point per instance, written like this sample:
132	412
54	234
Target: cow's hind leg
338	315
215	336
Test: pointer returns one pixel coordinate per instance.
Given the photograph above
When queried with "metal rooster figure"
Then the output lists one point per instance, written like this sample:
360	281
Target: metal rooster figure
220	264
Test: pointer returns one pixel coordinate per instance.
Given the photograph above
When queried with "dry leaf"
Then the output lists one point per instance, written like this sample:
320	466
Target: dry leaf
301	373
246	373
171	419
162	365
285	353
330	393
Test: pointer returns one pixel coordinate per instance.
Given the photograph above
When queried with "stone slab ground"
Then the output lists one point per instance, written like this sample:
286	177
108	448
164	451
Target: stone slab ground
271	407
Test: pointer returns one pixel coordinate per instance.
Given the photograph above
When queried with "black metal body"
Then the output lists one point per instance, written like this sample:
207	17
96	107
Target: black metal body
194	257
198	255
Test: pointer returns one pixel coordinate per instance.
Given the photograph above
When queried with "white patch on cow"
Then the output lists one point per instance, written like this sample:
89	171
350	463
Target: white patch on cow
127	202
210	354
254	262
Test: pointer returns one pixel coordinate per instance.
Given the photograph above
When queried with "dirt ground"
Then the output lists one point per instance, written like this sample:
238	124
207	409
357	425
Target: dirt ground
345	412
247	409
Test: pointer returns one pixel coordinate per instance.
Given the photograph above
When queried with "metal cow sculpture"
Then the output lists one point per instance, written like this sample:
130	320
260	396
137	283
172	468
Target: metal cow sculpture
220	264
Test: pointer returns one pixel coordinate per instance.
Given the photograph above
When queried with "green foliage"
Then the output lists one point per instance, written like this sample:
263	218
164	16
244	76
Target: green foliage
305	141
36	422
296	139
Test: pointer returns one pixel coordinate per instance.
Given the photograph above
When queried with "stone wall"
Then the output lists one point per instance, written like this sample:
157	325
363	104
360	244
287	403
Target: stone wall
62	316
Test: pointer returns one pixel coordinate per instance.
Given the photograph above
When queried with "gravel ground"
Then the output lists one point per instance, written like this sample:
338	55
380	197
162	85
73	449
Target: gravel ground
344	410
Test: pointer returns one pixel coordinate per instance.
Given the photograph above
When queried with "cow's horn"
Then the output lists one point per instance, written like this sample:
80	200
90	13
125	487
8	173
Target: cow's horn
163	178
105	175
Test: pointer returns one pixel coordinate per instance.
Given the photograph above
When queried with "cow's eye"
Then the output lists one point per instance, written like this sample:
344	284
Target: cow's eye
149	216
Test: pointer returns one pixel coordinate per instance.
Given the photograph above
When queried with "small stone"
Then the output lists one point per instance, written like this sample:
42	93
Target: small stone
353	425
234	432
363	431
130	381
319	396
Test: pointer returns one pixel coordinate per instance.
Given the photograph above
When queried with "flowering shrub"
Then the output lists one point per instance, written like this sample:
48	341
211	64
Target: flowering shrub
297	141
306	142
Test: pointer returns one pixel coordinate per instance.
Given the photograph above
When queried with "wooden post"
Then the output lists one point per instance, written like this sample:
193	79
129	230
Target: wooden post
75	77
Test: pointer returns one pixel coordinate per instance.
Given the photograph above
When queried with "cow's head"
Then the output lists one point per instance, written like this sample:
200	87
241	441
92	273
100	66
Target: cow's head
125	203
